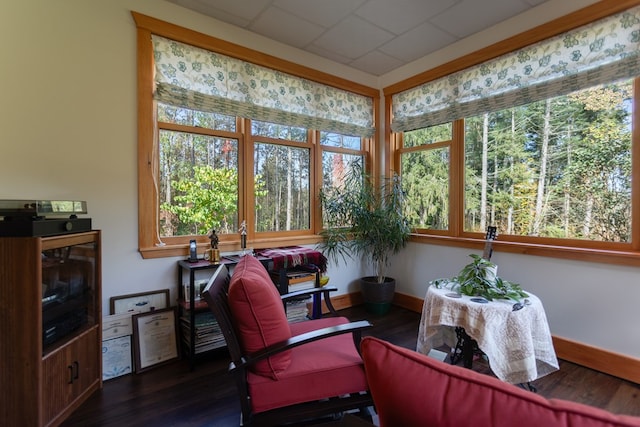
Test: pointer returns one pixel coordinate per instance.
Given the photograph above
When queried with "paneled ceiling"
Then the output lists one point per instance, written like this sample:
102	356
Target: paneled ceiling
374	36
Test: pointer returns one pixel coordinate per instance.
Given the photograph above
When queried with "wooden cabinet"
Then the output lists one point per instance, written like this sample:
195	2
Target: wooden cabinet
50	332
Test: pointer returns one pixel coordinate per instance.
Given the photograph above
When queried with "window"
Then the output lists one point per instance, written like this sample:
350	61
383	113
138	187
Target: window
227	135
549	162
339	152
559	168
198	179
282	177
424	165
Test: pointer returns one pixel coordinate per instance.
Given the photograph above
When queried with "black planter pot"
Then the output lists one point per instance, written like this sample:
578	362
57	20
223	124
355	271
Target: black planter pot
377	296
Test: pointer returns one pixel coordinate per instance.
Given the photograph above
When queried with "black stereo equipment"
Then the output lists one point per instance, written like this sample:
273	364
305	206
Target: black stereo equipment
59	327
41	218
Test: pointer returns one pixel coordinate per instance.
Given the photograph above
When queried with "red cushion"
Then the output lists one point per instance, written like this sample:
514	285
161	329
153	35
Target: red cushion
320	369
411	389
259	315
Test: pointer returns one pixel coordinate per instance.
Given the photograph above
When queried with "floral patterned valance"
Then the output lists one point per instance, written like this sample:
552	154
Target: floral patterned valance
601	52
191	77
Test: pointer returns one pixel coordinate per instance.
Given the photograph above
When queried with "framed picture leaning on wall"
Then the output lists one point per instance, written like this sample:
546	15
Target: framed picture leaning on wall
155	336
144	301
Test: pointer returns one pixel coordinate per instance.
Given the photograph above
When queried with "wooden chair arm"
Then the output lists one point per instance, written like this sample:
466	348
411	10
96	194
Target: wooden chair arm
313	291
354	328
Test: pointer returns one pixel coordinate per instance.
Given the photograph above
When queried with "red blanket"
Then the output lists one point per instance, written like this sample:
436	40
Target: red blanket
292	256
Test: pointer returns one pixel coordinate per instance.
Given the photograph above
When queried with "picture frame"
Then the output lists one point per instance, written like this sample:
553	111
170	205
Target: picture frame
155	336
116	357
139	302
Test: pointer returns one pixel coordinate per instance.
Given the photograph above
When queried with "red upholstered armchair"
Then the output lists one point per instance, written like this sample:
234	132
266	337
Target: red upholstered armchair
284	371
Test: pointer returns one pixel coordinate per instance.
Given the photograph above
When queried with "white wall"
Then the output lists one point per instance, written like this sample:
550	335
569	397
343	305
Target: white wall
68	120
592	303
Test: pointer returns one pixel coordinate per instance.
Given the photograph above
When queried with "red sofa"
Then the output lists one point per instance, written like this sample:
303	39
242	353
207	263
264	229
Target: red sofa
411	389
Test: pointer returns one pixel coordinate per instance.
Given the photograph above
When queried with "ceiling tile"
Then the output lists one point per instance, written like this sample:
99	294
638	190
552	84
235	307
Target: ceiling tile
368	34
209	9
417	43
246	9
376	63
280	25
472	16
399	16
329	54
353	37
324	12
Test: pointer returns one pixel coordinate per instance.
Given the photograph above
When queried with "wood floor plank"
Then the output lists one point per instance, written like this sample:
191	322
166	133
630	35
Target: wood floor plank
626	396
172	395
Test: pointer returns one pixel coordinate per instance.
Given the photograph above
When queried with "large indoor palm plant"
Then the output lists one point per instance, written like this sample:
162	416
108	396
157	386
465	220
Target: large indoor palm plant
365	220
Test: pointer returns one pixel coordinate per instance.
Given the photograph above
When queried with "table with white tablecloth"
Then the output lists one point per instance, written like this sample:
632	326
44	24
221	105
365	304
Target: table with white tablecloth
517	342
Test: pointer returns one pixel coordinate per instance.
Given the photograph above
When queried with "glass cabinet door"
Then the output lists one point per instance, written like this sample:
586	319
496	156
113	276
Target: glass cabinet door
68	288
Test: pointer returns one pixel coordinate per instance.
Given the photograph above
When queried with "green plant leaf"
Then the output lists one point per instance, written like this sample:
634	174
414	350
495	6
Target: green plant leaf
364	220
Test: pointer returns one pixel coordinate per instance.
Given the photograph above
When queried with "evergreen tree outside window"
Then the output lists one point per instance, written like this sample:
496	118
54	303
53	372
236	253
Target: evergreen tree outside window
559	168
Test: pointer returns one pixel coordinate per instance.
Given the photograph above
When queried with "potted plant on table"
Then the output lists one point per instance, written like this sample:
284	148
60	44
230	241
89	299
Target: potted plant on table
479	278
362	219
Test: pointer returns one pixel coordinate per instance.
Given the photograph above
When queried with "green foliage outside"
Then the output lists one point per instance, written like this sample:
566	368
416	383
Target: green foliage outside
207	200
364	220
559	168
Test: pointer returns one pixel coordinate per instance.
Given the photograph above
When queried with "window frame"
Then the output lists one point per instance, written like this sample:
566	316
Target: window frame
222	134
250	147
437	145
608	252
150	245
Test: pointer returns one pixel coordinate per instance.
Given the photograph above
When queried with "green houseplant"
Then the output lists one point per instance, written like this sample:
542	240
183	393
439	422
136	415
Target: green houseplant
479	278
366	220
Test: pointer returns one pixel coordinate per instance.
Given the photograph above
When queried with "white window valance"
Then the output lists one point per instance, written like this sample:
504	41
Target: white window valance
195	78
601	52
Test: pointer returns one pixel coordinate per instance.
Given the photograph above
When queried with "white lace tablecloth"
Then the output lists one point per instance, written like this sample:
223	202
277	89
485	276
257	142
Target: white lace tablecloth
517	343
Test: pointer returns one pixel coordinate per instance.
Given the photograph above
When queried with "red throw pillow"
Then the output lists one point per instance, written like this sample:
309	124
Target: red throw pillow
259	315
411	389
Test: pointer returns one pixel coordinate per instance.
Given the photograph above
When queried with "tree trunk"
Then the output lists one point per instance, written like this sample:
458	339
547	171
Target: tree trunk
483	184
511	186
494	188
278	198
588	216
289	185
567	190
542	177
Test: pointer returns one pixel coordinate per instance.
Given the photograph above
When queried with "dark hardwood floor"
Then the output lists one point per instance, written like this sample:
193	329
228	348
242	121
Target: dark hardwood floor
172	395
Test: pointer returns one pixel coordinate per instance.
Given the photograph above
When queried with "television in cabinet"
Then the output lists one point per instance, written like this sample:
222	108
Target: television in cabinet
50	294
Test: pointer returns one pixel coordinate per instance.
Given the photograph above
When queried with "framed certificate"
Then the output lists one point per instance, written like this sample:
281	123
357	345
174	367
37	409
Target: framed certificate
116	357
155	336
117	325
145	301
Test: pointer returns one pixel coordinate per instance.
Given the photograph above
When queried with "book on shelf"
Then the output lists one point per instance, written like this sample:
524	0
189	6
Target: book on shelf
302	285
200	318
298	310
295	274
207	332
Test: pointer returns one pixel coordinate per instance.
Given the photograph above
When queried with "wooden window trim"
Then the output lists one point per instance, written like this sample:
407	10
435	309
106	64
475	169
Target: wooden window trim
590	251
149	243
